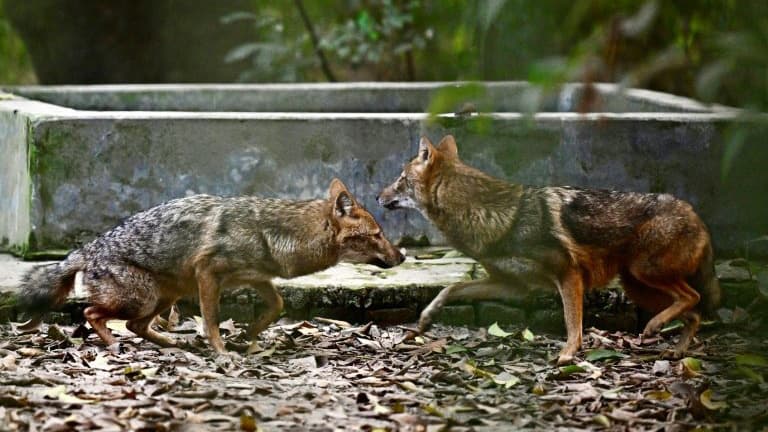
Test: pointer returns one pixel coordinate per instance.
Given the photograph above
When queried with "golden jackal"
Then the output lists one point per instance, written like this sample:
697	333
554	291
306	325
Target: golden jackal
204	244
568	238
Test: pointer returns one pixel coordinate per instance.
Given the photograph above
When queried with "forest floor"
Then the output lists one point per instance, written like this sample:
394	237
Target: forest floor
326	375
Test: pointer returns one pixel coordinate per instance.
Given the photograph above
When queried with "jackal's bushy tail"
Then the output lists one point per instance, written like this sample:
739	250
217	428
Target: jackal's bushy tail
46	286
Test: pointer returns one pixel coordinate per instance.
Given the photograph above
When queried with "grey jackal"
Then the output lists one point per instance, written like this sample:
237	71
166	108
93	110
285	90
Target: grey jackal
203	244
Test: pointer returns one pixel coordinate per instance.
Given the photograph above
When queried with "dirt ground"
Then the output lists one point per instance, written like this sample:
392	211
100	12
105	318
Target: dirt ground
327	375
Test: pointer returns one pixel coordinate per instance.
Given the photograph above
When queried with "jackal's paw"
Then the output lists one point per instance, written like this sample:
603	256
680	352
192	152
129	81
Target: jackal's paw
564	359
425	322
672	354
652	329
253	348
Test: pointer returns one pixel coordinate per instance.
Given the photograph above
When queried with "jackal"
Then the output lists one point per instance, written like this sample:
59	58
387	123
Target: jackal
567	238
203	244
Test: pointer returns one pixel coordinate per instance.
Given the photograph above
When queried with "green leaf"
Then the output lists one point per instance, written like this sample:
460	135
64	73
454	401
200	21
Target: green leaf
453	349
750	374
602	420
366	24
495	330
100	362
660	395
672	325
450	98
149	372
527	335
505	379
548	72
692	363
267	352
571	369
60	393
706	400
734	143
751	360
488	10
691	367
243	51
470	367
762	283
433	410
603	354
238	16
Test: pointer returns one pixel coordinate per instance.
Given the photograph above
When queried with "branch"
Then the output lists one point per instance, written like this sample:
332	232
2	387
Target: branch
315	42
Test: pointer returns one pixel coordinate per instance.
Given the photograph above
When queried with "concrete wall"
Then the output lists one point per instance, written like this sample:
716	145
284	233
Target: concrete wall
17	122
354	98
92	169
14	181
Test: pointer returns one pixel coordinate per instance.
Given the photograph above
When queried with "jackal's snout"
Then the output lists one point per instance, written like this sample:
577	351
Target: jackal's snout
391	258
388	199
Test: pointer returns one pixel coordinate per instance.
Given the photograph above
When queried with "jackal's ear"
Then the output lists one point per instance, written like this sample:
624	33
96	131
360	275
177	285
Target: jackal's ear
343	204
426	150
337	186
342	199
447	147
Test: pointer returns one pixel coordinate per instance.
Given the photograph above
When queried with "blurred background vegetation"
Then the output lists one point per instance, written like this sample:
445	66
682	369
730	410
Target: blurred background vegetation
714	50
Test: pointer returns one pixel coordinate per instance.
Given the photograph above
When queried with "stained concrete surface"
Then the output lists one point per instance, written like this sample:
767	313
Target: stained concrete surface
83	171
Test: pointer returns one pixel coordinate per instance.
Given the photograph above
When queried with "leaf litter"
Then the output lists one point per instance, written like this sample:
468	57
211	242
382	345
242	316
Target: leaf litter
331	375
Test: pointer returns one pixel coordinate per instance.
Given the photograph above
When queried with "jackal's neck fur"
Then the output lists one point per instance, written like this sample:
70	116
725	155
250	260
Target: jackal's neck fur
469	206
303	239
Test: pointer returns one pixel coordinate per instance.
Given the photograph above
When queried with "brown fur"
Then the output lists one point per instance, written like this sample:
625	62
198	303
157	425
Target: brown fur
202	245
567	238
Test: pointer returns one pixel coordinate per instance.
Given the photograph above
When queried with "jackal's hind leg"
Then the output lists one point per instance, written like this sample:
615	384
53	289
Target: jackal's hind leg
122	291
142	326
685	299
97	317
483	289
692	321
274	305
209	291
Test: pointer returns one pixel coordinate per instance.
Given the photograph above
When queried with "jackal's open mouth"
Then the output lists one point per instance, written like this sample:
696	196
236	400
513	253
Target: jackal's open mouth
380	263
392	205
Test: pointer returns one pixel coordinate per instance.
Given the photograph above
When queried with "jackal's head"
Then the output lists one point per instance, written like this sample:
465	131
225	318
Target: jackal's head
359	236
412	188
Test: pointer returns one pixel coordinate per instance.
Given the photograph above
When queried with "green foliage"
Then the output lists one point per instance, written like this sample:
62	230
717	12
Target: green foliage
710	49
15	65
379	33
280	54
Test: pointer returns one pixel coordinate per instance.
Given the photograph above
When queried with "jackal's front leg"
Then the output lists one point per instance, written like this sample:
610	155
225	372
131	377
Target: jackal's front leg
483	289
571	289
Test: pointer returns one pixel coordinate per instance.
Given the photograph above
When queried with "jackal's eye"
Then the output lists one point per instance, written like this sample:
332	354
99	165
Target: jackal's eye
404	179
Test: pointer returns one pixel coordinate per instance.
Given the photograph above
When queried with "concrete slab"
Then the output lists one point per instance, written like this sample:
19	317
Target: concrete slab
362	293
414	274
358	97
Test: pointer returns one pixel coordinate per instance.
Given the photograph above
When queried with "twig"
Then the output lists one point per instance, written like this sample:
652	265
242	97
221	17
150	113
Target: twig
315	41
